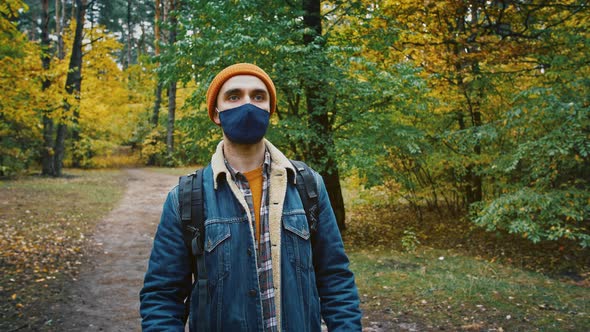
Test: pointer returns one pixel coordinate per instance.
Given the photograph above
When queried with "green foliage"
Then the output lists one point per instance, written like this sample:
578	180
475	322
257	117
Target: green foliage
542	177
549	215
225	33
197	138
410	240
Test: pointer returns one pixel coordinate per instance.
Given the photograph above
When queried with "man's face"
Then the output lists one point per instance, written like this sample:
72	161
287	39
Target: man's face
240	90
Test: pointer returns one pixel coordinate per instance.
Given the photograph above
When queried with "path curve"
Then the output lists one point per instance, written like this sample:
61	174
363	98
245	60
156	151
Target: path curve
106	295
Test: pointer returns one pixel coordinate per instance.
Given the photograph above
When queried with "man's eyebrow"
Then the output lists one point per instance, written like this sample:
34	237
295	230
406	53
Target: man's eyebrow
231	92
260	91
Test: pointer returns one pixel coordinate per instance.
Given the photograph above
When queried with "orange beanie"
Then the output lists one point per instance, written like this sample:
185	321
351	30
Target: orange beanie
235	70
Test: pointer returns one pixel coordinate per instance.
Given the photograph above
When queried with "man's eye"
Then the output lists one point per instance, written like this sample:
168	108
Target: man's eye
233	98
259	97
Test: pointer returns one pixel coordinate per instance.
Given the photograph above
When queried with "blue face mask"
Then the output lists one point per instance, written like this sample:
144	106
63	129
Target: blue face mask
244	124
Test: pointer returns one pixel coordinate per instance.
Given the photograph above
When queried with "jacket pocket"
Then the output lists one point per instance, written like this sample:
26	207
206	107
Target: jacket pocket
217	250
297	240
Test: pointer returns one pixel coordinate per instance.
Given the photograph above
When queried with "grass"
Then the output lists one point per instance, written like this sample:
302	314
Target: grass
445	290
473	280
44	228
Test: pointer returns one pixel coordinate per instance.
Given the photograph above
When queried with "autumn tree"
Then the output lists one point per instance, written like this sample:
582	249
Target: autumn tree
478	59
36	121
112	104
38	23
20	67
55	120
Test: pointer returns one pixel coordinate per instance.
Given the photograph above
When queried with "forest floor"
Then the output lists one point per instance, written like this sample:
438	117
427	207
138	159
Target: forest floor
103	293
91	280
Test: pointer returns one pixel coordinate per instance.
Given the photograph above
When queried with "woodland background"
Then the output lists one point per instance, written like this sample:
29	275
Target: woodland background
452	136
474	108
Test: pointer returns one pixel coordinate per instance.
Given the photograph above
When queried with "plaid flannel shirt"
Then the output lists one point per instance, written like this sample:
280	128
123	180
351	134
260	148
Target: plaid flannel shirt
263	249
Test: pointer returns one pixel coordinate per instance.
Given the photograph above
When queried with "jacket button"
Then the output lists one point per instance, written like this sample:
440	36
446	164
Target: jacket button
249	251
252	292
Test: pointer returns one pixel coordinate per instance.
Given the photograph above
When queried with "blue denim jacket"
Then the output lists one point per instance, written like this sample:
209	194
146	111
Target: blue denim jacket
306	293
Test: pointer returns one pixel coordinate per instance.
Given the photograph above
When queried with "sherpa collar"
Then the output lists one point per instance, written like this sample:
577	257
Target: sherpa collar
277	157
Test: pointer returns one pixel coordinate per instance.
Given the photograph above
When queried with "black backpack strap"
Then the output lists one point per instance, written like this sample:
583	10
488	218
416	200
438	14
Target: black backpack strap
308	191
185	190
192	214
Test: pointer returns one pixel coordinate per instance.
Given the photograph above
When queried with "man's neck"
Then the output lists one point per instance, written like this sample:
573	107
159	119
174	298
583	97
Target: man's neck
243	157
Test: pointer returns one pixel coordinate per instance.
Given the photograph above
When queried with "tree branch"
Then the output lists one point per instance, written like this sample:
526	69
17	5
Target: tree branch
93	41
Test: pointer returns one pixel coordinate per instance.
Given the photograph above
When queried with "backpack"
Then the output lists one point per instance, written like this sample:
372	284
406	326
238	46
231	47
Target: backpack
190	198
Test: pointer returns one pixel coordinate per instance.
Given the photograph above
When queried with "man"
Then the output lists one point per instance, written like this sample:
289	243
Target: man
264	274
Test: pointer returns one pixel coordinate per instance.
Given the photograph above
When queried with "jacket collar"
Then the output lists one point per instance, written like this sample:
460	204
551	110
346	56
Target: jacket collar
279	161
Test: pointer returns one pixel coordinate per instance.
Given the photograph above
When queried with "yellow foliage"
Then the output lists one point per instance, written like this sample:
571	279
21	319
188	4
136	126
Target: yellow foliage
107	113
20	90
153	146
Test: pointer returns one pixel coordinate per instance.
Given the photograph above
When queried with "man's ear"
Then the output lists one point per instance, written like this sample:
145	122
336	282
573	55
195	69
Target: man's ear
216	117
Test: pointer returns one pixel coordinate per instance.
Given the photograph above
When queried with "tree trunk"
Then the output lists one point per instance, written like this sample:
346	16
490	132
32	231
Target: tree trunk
321	150
157	18
74	80
475	179
60	141
172	87
171	115
471	183
59	23
129	34
158	91
157	103
475	190
155	119
47	152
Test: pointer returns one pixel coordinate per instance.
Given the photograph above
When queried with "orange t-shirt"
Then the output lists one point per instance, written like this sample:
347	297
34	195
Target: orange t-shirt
254	178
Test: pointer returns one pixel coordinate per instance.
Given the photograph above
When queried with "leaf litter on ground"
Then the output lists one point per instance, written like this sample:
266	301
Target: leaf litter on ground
45	224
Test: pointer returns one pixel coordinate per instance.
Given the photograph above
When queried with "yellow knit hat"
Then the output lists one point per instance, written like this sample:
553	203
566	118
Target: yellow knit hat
235	70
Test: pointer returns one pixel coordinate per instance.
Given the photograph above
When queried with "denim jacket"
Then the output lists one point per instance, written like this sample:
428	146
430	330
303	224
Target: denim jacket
311	281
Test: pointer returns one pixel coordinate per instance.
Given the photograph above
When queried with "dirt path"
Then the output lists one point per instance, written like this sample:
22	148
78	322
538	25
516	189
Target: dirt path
106	295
